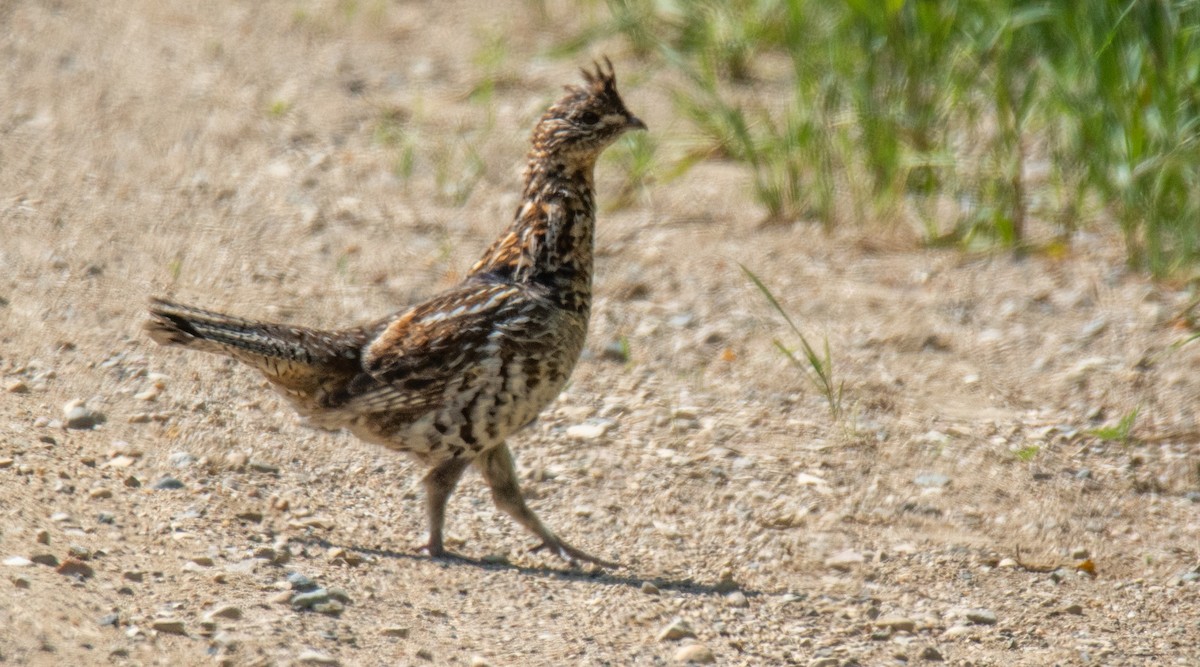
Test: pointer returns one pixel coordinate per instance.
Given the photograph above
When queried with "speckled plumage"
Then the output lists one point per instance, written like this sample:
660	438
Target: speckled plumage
448	380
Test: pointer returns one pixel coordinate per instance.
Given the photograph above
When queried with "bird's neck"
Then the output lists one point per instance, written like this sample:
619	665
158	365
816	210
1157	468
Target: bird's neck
550	240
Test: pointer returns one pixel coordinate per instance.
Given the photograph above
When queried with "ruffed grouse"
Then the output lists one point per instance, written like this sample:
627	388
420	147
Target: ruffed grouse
449	379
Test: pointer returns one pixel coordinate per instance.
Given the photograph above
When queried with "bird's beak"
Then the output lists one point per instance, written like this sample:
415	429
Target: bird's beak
635	123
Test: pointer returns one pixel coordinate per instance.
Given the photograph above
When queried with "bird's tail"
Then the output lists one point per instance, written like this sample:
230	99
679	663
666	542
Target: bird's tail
249	340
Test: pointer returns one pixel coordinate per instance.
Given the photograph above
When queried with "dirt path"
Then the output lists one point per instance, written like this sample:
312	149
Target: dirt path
326	163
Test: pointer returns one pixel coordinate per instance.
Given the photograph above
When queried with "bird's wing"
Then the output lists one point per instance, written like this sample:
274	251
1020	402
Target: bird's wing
426	350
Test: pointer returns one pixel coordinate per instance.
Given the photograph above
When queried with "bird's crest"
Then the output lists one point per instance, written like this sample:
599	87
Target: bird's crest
600	82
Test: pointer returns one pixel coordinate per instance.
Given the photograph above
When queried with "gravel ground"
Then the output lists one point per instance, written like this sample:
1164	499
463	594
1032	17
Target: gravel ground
158	507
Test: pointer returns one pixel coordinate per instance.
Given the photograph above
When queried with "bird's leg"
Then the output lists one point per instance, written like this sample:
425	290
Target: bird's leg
496	464
439	484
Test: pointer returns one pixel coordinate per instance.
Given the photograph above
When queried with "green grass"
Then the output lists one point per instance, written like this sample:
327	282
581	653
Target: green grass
392	131
490	56
1028	453
636	154
457	168
986	123
279	108
1120	431
817	368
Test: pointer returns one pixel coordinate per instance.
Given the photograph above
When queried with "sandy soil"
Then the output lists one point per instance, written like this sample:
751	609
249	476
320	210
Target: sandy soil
251	157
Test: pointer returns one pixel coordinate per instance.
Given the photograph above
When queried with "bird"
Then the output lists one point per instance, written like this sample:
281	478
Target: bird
450	379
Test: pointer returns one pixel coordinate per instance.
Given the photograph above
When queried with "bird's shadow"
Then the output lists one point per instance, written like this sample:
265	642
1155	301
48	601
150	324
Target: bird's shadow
592	576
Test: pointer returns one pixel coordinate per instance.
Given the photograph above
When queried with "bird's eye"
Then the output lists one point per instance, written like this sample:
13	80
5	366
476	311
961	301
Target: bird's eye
589	118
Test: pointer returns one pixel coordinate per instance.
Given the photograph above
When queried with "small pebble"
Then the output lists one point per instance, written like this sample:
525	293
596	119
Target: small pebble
21	582
181	459
75	568
339	594
299	582
845	560
43	536
593	429
17	387
981	616
259	466
120	461
695	654
675	630
226	611
725	582
17	561
932	654
649	588
617	351
193	568
398	631
956	631
76	415
5	462
737	599
308	599
682	320
805	479
331	608
351	558
100	493
49	560
931	480
686	412
896	623
314	657
171	626
109	619
168	484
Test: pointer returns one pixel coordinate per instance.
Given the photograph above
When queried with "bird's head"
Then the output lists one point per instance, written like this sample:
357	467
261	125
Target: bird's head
586	120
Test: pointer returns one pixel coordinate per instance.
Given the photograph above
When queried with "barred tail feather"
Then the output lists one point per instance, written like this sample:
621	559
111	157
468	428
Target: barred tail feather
208	331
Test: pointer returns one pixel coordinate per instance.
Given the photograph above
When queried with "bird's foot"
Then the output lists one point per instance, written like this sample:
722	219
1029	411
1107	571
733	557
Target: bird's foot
572	555
438	551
